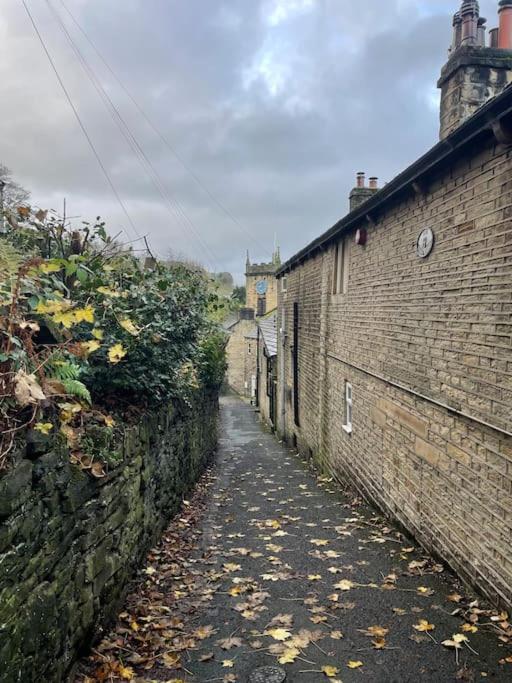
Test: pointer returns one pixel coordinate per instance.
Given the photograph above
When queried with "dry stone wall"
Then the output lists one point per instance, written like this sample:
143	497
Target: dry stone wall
69	544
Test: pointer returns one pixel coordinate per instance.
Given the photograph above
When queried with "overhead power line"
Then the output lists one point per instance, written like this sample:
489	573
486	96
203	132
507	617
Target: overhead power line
79	119
173	206
162	137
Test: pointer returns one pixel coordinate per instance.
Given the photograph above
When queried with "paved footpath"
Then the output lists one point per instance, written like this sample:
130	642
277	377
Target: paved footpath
281	569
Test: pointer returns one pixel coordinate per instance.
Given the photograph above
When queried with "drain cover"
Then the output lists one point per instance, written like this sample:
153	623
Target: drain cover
268	674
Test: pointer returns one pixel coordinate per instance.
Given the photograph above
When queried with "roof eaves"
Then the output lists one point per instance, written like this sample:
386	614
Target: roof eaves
478	126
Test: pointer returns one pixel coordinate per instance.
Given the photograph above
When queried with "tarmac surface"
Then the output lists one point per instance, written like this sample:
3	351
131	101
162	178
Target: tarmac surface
287	571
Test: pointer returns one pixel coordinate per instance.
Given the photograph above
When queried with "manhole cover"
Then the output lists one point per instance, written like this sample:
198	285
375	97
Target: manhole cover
268	674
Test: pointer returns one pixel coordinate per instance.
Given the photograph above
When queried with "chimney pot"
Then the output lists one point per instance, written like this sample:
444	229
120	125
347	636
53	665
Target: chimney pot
457	31
481	29
493	37
374	183
470	12
360	179
505	30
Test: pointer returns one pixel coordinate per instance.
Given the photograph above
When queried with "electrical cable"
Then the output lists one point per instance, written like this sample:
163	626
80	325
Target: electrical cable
162	137
79	119
173	205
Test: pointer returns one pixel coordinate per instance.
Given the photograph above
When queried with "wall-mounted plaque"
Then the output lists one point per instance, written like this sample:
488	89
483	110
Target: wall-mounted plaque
425	243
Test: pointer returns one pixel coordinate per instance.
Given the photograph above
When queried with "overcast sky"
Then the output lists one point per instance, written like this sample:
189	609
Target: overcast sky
273	104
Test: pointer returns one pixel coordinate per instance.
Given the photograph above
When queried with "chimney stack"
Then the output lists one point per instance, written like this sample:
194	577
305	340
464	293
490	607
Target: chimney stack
505	30
361	193
475	72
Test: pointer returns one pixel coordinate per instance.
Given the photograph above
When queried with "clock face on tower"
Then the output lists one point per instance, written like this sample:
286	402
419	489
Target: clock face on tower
261	287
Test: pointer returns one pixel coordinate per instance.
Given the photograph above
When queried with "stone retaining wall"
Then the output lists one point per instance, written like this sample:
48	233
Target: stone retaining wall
69	544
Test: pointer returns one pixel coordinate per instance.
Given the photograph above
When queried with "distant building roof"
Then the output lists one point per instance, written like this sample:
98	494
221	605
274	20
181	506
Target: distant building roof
230	322
268	327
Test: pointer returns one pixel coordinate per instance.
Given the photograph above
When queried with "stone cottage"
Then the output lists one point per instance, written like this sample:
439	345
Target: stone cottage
395	326
261	297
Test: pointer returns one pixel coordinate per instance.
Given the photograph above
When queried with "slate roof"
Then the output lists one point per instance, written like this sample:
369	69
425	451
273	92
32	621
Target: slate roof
268	327
230	322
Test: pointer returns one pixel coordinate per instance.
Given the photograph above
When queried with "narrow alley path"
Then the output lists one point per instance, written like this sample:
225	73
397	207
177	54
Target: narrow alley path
269	567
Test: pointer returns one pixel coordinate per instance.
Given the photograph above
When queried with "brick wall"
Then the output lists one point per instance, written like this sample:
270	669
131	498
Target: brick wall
427	346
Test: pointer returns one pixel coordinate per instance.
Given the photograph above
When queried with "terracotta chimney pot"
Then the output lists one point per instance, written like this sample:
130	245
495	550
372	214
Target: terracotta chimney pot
374	183
505	32
360	179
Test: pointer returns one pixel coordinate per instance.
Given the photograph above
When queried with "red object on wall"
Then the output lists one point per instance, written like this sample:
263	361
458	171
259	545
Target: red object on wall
361	236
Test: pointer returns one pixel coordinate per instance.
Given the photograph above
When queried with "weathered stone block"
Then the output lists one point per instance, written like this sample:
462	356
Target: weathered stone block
70	544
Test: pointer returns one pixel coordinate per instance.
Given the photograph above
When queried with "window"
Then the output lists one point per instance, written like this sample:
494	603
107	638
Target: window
348	408
262	306
284	284
341	267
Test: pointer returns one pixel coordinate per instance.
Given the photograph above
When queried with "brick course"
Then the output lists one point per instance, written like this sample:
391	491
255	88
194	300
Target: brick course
427	346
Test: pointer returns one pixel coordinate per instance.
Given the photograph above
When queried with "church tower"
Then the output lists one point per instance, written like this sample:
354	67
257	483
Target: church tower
478	68
261	284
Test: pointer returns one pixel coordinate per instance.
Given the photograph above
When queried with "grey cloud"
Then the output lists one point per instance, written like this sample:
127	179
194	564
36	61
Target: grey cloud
274	118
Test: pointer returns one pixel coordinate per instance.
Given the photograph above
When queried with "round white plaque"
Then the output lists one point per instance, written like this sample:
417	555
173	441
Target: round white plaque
425	243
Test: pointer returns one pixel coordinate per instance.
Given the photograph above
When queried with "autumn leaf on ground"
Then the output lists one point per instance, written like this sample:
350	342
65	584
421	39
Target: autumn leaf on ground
314	577
375	631
379	643
207	657
469	628
283	619
319	542
344	585
280	634
228	663
336	635
231	567
423	626
454	597
204	632
456	641
330	671
171	660
229	643
126	673
289	655
354	664
423	590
